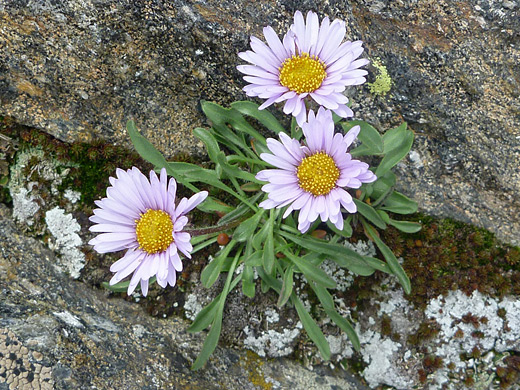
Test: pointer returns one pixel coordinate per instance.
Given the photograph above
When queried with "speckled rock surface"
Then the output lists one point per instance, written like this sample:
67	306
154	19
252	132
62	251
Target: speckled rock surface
79	70
58	332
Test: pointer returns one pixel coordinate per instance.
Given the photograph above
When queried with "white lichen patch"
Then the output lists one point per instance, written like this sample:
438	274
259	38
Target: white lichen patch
272	316
33	178
467	323
21	368
343	278
69	319
24	206
364	248
64	228
192	306
72	196
272	343
474	322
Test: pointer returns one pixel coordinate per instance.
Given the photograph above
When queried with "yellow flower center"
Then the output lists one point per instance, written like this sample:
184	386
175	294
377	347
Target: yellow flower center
302	73
318	174
154	231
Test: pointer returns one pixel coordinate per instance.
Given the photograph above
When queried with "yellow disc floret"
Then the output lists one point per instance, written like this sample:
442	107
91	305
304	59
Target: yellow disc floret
318	174
302	73
154	231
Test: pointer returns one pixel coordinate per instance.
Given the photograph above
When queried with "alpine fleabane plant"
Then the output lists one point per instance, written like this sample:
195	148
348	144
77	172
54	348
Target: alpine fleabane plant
310	62
141	216
258	185
312	178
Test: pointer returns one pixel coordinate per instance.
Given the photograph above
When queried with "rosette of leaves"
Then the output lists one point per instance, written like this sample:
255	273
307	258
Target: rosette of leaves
260	239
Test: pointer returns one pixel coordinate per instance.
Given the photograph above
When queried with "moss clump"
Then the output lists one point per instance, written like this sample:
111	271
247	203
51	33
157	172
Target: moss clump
449	255
426	331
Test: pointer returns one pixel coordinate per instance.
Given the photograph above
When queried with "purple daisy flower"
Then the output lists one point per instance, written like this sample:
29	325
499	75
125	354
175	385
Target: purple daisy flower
312	178
141	216
310	62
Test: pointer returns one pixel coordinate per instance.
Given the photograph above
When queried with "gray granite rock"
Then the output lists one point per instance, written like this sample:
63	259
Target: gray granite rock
58	332
79	70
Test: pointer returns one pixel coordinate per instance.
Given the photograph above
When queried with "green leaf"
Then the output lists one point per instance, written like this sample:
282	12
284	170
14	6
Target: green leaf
369	213
210	142
211	272
393	137
312	329
328	304
382	187
234	171
269	245
211	205
377	264
347	228
251	187
123	286
263	116
239	211
396	154
343	256
221	116
245	230
394	265
361	150
203	245
399	204
205	316
248	285
368	135
260	236
346	327
255	259
311	272
406	226
118	287
212	339
287	286
145	149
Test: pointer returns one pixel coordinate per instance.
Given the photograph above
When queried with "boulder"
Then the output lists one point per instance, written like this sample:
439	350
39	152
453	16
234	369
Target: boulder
59	333
79	70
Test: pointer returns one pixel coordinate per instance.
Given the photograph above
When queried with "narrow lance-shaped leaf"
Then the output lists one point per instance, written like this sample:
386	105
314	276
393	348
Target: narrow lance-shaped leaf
207	314
395	155
311	272
328	304
394	265
209	141
399	204
214	334
313	330
211	272
245	230
287	286
144	147
269	245
369	213
263	116
368	135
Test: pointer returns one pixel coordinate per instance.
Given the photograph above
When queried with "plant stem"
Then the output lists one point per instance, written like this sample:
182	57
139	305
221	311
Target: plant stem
213	229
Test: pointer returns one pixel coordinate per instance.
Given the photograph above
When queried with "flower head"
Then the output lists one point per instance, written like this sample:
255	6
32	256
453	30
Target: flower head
311	61
312	178
141	216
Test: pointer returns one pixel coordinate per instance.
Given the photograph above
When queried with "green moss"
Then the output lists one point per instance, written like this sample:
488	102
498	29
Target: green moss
449	255
426	331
